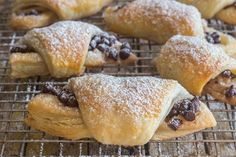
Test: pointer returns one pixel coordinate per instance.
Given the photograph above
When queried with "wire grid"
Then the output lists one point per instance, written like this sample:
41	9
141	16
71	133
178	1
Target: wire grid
17	139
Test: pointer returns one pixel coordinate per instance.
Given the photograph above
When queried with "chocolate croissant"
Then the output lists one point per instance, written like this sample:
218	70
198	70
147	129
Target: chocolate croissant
125	111
221	9
201	67
29	14
155	20
65	48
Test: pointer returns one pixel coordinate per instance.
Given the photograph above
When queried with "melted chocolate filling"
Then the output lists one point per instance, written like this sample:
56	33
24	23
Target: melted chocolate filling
231	91
63	94
105	43
213	38
21	49
186	108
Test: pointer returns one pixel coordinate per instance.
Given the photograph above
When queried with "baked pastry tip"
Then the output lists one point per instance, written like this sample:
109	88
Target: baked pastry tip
155	20
124	111
65	49
28	14
201	67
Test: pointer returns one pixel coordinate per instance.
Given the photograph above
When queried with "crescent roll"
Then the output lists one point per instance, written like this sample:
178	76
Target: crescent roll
199	66
29	14
125	111
155	20
65	48
228	14
208	8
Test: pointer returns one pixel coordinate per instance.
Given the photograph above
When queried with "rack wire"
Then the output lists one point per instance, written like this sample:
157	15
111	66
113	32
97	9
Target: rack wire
17	139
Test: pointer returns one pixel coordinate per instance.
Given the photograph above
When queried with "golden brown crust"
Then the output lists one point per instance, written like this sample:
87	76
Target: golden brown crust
64	49
208	8
228	15
193	62
48	114
26	65
52	11
124	111
153	20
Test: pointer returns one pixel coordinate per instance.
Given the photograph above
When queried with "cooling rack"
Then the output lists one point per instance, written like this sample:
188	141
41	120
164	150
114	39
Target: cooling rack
17	139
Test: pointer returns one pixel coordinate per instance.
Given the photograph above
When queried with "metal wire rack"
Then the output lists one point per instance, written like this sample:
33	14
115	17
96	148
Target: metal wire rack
17	139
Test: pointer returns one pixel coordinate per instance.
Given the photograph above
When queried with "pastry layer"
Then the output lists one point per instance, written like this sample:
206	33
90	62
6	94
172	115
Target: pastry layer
156	20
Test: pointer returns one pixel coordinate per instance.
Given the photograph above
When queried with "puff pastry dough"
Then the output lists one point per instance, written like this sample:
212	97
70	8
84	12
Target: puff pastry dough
228	15
29	14
155	20
61	50
123	111
194	62
208	8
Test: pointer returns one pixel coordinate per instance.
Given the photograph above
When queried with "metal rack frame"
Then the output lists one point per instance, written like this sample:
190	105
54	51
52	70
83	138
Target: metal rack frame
17	139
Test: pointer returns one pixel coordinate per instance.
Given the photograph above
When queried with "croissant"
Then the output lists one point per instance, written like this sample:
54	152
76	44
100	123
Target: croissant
208	8
65	48
125	111
201	67
223	10
155	20
228	14
29	14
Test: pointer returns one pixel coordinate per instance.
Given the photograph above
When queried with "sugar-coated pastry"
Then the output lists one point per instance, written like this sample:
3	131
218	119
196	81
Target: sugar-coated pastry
155	20
65	48
29	14
125	111
208	8
199	66
228	14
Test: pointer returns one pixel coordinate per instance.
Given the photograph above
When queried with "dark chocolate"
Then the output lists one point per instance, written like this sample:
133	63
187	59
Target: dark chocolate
213	38
63	94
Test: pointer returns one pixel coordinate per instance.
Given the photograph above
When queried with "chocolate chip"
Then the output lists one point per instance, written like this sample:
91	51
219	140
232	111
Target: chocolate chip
113	54
175	123
189	115
126	45
93	44
213	37
195	106
103	47
21	49
184	106
112	40
226	73
64	95
174	111
105	41
125	53
231	92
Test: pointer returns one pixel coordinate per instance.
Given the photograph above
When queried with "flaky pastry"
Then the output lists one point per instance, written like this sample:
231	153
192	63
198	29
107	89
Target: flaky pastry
155	20
65	48
125	111
27	14
199	66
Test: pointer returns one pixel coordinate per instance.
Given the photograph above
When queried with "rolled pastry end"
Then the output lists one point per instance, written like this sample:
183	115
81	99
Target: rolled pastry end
25	65
47	113
228	15
31	21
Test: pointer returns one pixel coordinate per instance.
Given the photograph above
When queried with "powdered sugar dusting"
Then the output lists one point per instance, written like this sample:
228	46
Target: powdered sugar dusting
173	11
196	51
137	96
